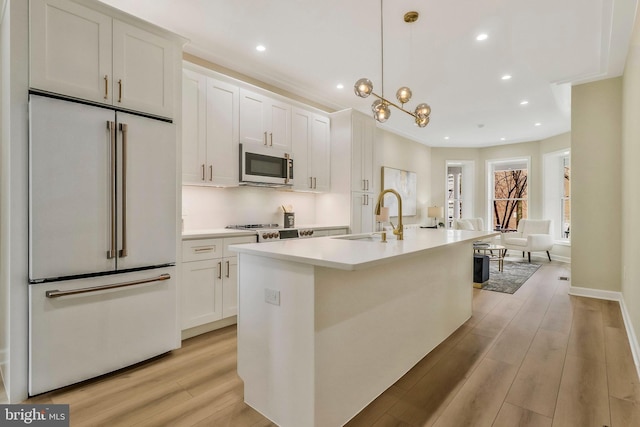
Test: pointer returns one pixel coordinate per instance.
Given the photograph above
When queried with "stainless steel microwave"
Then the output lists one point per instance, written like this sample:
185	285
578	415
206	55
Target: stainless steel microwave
265	166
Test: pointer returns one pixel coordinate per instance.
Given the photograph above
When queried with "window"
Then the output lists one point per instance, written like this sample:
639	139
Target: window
557	193
508	180
459	181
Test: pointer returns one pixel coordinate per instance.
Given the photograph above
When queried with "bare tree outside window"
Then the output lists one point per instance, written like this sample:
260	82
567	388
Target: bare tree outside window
510	198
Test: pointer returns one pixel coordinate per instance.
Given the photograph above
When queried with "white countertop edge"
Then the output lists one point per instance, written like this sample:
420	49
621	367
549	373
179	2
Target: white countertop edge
215	233
212	233
278	250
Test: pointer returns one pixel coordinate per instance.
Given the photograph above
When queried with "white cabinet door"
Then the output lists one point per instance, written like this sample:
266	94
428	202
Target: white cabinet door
319	153
194	127
264	121
300	140
201	292
142	70
222	133
279	120
230	287
147	185
70	50
363	154
253	125
71	183
362	208
311	141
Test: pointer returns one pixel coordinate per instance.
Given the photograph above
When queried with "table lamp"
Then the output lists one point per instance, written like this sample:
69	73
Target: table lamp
435	212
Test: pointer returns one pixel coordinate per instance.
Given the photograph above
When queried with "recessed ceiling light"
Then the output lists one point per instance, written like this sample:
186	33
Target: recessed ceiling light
261	48
566	153
503	139
506	77
481	37
525	102
446	137
538	124
340	86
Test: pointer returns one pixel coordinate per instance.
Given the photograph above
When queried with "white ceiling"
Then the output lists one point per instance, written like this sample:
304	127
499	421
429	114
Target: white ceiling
546	45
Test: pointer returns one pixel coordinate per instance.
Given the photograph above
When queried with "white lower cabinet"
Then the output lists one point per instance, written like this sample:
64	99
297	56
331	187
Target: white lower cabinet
362	212
209	280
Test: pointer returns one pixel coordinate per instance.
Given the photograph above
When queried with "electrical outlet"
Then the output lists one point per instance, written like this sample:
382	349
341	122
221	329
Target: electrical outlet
271	296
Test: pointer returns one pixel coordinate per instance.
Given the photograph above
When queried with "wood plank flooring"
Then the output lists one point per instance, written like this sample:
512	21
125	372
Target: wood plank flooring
537	358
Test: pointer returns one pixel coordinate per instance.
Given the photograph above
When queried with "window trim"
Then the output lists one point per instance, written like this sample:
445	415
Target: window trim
489	175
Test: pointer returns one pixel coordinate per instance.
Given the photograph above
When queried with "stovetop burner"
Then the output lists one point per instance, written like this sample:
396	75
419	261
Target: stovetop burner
252	226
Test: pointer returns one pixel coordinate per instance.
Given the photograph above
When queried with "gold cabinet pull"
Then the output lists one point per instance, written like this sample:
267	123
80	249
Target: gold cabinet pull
271	139
228	268
202	171
219	270
120	90
111	253
210	172
265	138
124	129
106	87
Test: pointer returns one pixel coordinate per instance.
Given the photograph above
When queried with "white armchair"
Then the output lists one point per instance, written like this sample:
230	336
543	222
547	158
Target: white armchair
533	235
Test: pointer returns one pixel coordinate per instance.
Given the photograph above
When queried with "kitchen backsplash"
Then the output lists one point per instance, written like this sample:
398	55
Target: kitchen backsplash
204	208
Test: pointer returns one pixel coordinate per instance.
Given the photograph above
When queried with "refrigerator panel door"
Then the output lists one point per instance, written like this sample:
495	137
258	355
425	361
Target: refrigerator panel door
76	337
70	185
147	192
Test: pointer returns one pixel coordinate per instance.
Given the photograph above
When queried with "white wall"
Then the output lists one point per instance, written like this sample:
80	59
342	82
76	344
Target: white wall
596	189
206	207
630	273
402	153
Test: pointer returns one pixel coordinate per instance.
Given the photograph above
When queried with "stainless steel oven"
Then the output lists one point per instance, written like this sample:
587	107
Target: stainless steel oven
265	166
274	232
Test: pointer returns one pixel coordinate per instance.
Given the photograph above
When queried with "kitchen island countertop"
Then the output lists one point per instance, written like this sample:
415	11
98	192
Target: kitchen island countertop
356	252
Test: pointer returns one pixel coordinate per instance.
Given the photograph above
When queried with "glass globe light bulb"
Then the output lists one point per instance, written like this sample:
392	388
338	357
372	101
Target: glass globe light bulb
423	110
403	95
363	87
422	121
381	111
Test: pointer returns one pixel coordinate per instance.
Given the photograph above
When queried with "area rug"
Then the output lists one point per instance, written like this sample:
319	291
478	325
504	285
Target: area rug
512	276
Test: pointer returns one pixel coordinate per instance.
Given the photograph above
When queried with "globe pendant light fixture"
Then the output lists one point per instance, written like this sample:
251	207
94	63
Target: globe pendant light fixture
380	107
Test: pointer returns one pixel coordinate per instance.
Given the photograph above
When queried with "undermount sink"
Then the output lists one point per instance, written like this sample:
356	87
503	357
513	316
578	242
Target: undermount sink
363	237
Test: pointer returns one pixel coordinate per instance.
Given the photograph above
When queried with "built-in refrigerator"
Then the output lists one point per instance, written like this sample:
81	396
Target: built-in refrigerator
102	241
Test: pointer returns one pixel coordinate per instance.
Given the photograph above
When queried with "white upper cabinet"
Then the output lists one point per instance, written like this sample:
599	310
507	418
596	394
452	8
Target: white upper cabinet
194	127
363	155
83	53
311	144
142	70
264	121
210	150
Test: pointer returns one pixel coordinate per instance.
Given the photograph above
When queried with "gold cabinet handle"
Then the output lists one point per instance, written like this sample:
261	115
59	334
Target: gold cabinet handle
111	253
106	87
228	267
271	139
265	138
310	182
57	293
203	171
120	90
203	249
210	172
124	251
220	270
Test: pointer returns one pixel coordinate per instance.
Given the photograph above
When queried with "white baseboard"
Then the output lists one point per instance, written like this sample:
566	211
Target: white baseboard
614	296
595	293
631	333
208	327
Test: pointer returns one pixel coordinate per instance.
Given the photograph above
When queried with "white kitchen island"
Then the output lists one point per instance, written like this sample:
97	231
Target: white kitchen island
326	325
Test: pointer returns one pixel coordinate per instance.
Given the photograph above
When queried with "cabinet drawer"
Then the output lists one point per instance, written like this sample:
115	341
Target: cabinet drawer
236	241
200	249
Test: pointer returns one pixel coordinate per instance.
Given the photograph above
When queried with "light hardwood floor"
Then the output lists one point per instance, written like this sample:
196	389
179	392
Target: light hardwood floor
536	358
